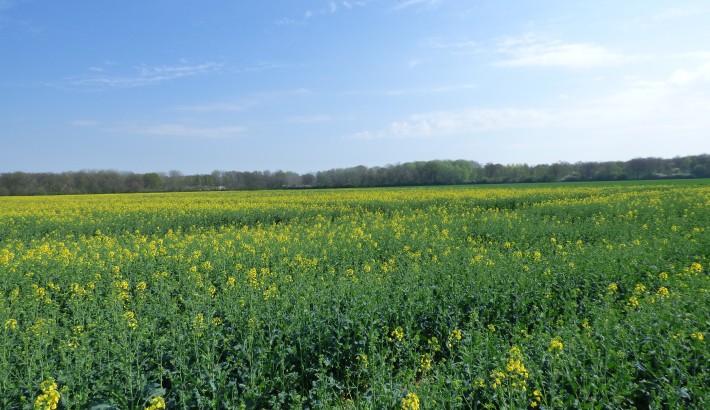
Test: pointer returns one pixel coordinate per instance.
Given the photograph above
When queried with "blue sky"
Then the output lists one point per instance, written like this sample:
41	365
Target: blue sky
195	86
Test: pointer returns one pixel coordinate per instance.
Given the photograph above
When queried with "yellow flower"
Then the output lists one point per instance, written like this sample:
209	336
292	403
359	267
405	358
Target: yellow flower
398	334
698	336
639	288
362	358
198	322
49	398
131	320
156	403
612	288
454	337
497	377
425	363
633	301
410	402
556	346
663	292
11	324
515	366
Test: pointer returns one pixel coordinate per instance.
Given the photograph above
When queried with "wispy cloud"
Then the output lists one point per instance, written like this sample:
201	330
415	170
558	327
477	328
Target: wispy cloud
144	75
699	54
181	130
532	50
409	3
83	123
215	107
471	120
22	25
260	66
243	103
680	12
455	46
330	8
7	4
674	105
412	91
684	77
309	119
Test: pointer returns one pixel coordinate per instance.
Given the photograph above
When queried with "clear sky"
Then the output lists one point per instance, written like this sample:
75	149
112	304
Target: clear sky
197	86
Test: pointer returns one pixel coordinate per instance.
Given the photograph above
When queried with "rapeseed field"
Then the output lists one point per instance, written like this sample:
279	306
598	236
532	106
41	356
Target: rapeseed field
527	296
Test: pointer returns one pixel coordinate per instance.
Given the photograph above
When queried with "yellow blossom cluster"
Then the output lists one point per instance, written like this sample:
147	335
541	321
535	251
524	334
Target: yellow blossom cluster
397	334
410	402
156	403
515	371
49	398
556	346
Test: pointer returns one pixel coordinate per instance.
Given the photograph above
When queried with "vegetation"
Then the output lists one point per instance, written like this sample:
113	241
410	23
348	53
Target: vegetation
526	296
407	174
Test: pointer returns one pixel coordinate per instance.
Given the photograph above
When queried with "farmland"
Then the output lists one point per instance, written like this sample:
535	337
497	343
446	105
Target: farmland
509	296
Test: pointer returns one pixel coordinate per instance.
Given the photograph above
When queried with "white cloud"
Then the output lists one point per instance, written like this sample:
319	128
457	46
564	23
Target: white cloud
531	50
215	107
409	3
471	120
456	47
309	119
182	130
83	123
680	12
683	77
410	91
144	75
673	107
260	66
699	54
330	8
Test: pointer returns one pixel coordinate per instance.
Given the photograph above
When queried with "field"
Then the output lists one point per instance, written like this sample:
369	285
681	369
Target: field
517	296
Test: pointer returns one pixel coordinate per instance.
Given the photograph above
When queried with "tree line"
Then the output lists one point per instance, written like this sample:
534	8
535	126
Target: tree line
437	172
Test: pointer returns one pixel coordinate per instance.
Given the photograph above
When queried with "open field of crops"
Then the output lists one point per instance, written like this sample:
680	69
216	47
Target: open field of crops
545	296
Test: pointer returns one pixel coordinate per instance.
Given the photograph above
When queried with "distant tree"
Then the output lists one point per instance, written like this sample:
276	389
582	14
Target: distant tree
152	181
435	172
493	172
133	182
701	171
175	181
639	168
308	179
